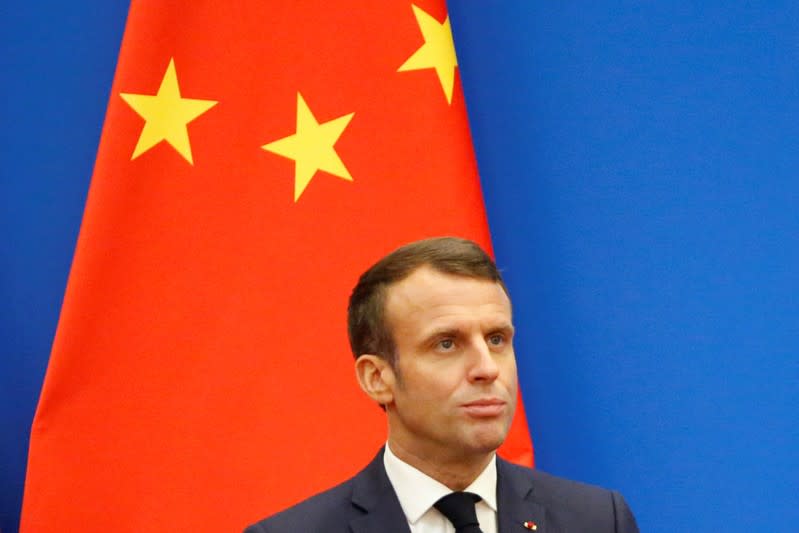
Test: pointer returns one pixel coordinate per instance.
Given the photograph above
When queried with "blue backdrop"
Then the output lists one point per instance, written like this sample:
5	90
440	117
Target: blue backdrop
640	165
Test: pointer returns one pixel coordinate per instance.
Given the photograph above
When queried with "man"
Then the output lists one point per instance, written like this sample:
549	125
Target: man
430	327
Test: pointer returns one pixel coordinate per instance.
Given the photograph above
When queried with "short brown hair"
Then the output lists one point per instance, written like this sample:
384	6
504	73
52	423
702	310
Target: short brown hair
366	321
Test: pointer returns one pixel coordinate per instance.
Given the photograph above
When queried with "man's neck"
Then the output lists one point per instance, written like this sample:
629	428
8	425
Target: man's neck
455	473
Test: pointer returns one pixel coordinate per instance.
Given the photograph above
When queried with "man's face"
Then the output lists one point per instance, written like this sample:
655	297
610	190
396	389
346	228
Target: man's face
454	392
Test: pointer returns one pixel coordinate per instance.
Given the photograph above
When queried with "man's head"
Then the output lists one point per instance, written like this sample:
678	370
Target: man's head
431	328
368	329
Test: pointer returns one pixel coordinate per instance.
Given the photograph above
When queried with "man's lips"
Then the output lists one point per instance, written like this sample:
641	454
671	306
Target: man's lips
485	408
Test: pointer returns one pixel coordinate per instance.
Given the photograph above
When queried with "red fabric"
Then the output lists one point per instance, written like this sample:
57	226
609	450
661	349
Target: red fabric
200	377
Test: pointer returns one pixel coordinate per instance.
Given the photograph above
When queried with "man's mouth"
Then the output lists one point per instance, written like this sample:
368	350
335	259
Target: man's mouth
485	407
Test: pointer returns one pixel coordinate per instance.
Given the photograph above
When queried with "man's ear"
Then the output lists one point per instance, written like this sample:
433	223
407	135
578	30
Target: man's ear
376	378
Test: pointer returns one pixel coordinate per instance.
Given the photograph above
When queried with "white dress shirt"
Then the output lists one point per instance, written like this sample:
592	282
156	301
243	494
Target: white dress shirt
417	492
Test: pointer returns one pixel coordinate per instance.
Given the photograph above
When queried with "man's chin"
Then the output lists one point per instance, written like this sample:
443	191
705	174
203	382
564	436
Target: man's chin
486	440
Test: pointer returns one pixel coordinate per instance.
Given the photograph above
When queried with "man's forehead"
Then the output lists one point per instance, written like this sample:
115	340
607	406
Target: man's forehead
427	288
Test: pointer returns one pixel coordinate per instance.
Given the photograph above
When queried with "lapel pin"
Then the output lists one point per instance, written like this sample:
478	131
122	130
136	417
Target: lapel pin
530	525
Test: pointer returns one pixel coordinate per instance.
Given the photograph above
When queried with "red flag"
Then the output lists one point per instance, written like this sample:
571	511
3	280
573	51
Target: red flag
255	160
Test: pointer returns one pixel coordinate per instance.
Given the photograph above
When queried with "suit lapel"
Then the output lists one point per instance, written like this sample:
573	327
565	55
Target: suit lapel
516	504
372	493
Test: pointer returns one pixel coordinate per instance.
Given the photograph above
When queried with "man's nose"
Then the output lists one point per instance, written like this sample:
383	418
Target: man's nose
484	366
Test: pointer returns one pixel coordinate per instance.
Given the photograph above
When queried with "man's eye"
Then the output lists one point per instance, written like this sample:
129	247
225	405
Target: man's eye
496	339
446	344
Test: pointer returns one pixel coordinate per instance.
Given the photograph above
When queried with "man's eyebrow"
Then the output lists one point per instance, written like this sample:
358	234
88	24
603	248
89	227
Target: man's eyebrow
503	326
443	331
454	331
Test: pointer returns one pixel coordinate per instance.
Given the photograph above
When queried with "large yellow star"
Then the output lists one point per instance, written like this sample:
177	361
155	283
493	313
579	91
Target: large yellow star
438	51
312	147
166	115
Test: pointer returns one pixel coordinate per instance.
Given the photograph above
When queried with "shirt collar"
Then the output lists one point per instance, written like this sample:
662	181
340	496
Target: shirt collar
417	492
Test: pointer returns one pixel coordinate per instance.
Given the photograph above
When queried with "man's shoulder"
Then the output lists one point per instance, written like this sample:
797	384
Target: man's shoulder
333	509
312	514
569	502
551	486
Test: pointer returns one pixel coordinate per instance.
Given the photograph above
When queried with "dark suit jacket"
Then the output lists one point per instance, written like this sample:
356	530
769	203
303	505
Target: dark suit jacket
367	503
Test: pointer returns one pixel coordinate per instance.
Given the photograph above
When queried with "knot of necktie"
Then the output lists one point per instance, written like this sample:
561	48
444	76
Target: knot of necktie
458	507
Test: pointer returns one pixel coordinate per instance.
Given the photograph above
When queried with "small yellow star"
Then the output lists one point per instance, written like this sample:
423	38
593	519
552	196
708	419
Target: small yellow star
166	115
312	147
438	51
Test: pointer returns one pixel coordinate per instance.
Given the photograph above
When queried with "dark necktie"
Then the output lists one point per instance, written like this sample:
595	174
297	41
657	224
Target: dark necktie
458	507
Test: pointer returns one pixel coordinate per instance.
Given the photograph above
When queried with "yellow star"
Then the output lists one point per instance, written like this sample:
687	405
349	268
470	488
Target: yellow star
312	147
166	115
438	51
